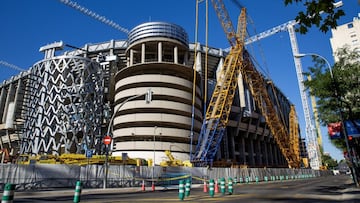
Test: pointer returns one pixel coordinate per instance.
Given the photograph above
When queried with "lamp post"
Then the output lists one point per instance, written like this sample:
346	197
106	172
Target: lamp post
334	82
153	169
148	98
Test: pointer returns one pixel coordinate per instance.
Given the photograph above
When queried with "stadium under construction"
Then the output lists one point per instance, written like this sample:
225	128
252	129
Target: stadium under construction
69	101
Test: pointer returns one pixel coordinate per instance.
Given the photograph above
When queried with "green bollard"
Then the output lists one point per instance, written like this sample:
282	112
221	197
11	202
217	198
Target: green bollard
257	179
247	179
230	186
222	186
77	191
211	187
241	180
187	188
266	179
8	195
235	180
181	190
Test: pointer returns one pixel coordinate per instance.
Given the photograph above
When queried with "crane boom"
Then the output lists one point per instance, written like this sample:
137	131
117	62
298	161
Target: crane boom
94	15
4	63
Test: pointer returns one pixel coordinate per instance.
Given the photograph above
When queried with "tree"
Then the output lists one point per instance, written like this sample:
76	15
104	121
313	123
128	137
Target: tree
340	92
329	161
315	9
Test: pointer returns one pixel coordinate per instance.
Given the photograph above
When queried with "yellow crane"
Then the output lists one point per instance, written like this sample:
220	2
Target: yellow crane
217	114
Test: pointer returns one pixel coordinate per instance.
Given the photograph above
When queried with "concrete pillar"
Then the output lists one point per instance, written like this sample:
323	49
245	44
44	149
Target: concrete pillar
198	62
232	144
242	150
159	52
271	153
258	152
176	55
9	99
143	53
265	154
131	57
251	152
2	102
275	153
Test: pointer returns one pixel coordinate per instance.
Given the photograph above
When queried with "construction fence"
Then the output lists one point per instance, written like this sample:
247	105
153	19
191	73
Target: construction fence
45	176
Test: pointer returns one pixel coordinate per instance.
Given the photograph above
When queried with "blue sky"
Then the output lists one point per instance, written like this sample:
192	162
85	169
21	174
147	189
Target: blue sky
28	25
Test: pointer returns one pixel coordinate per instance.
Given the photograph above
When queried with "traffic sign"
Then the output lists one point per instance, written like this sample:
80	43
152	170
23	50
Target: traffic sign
107	140
89	153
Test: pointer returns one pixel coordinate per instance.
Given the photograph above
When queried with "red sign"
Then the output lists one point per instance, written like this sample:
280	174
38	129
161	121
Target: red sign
107	140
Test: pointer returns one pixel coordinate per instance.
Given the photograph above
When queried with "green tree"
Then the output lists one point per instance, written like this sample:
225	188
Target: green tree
329	161
320	13
340	92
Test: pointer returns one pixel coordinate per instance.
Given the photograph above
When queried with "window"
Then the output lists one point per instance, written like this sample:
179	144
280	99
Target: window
350	25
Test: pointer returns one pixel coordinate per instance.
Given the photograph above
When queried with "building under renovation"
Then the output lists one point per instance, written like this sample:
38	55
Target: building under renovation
65	102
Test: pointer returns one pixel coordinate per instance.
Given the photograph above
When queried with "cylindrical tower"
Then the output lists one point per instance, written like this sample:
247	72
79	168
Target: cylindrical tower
157	56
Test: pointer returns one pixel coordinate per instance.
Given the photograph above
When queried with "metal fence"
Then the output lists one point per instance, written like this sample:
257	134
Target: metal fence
45	176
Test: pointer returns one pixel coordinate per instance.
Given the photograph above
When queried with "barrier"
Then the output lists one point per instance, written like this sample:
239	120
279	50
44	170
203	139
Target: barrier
143	185
187	187
222	186
77	192
181	190
230	186
205	186
8	195
216	186
211	187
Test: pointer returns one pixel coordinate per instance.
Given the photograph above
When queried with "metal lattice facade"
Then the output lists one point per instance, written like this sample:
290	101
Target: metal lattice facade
65	90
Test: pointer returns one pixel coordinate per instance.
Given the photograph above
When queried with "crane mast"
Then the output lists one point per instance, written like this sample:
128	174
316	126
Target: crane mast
310	134
217	115
312	140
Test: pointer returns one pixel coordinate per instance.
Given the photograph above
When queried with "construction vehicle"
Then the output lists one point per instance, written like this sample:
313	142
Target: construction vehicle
174	162
217	114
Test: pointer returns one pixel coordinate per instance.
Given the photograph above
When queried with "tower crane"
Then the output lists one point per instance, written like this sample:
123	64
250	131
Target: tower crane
4	63
92	14
217	114
314	153
311	136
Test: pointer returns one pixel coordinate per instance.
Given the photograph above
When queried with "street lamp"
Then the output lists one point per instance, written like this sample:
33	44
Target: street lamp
153	169
148	98
334	82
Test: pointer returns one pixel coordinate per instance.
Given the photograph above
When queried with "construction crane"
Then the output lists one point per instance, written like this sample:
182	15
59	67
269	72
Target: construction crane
314	154
311	137
217	115
94	15
4	63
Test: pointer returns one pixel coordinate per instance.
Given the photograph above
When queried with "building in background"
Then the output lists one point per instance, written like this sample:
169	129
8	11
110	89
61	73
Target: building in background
346	35
64	103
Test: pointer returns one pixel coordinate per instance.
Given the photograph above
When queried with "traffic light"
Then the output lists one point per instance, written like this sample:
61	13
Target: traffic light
148	96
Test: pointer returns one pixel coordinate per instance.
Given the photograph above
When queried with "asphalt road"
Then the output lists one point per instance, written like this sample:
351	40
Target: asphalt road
330	189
